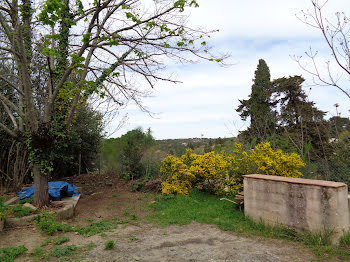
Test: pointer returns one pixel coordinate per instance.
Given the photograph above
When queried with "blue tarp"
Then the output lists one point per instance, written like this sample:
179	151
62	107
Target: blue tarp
57	190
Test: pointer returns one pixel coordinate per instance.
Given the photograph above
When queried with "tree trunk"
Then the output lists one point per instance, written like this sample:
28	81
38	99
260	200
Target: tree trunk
41	193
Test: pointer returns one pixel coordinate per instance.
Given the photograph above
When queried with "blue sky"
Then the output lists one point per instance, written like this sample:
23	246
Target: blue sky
204	103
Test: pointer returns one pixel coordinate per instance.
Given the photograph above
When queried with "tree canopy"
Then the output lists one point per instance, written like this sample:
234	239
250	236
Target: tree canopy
58	53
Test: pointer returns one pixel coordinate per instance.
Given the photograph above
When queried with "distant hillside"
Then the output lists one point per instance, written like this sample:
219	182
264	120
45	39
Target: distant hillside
199	145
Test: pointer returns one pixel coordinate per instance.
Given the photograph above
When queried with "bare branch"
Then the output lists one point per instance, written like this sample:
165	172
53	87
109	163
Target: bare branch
337	37
7	130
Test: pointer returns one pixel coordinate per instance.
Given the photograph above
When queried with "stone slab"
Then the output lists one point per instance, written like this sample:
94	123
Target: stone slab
30	206
19	221
12	201
304	181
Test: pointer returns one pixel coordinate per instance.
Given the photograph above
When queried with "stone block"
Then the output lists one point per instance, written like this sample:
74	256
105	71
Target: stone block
66	212
30	206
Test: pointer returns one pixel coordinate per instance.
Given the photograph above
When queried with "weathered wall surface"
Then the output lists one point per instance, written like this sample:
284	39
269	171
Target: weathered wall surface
301	204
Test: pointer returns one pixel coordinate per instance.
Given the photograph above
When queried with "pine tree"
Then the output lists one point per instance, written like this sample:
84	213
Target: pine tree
300	119
259	106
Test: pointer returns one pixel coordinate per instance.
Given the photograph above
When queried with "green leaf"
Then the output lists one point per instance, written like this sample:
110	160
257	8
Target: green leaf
87	37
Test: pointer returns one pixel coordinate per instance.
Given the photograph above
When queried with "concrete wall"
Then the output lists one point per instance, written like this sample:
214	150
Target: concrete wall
301	204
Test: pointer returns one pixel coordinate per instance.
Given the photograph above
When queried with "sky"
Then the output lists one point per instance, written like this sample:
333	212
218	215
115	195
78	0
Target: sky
204	103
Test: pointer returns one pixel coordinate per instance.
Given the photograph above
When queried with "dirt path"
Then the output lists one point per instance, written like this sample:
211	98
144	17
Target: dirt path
194	242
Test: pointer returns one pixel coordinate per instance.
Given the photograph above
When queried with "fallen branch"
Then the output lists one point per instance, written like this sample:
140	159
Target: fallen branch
229	200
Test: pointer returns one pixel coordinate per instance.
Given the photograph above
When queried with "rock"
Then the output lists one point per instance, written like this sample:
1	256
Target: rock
30	206
12	201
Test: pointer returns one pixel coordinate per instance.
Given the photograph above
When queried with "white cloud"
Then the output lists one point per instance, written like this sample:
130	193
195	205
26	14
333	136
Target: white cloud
206	100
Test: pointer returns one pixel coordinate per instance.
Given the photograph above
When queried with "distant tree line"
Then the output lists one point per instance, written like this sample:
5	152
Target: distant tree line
131	156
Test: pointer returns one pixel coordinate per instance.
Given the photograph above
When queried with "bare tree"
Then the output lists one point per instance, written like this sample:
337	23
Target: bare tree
336	33
65	51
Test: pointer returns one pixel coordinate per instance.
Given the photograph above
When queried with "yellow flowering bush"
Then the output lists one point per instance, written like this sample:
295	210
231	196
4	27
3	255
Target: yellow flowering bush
222	173
178	178
210	171
266	161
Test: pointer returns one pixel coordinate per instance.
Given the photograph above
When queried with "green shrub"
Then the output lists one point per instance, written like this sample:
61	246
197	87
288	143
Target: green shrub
109	245
8	254
46	221
138	186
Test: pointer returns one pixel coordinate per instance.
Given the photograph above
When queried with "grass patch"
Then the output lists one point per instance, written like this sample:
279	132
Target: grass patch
97	227
60	240
21	211
46	242
3	199
91	245
131	216
47	223
17	210
27	200
326	253
345	240
133	239
8	254
64	251
205	208
120	221
109	245
39	253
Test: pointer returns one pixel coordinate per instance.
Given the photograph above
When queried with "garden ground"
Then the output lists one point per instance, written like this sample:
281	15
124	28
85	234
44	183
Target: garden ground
138	239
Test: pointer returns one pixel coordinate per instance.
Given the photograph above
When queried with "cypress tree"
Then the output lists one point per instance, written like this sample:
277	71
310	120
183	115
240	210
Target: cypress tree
259	106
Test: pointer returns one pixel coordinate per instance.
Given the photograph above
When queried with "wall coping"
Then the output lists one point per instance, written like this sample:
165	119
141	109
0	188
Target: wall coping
304	181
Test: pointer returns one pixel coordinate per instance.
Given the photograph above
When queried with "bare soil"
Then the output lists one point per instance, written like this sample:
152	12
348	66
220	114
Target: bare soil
109	197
